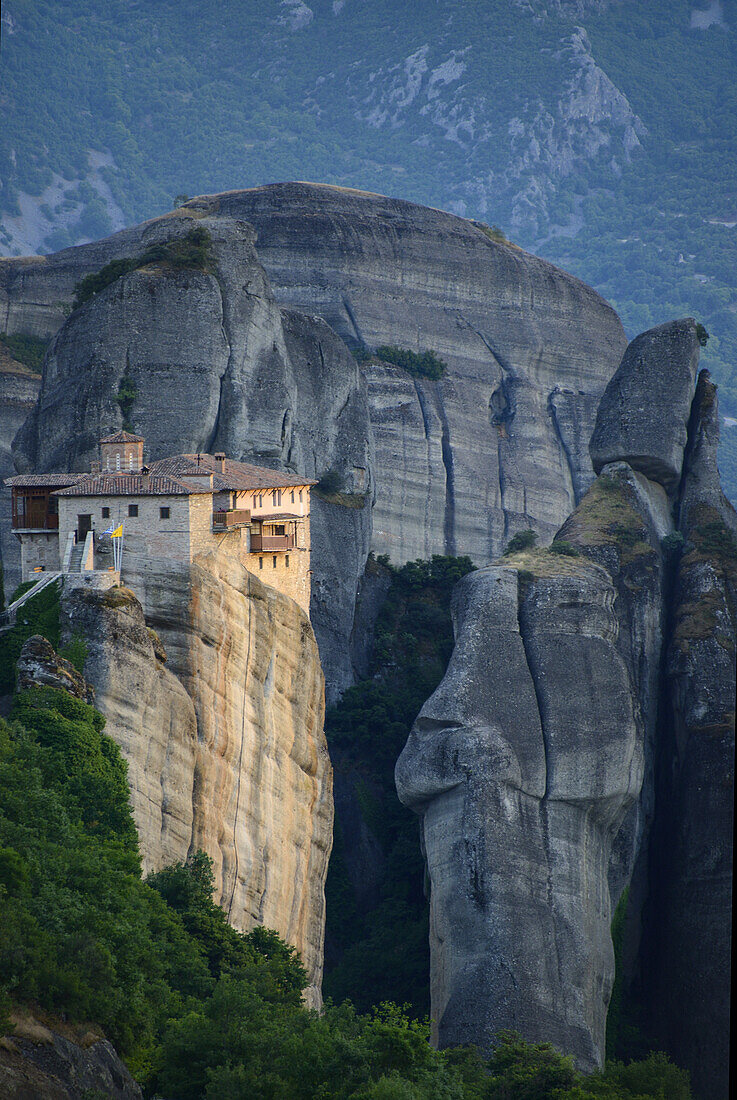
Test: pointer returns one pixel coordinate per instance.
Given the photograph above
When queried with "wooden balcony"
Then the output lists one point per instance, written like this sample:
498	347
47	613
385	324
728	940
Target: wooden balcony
235	517
35	521
263	543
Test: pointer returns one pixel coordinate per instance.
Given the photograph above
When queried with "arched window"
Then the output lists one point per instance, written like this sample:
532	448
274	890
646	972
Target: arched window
117	460
130	461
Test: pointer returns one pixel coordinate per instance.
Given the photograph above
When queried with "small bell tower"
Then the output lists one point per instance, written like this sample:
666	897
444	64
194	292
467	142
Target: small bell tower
121	453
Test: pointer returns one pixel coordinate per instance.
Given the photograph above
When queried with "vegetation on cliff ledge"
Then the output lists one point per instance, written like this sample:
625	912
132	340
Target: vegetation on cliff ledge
192	251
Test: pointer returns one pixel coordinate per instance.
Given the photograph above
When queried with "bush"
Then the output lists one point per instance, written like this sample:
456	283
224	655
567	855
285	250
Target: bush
701	334
193	250
565	549
330	482
125	398
424	364
672	545
523	540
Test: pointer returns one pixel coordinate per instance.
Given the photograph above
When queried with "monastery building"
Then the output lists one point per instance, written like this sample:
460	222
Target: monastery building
175	508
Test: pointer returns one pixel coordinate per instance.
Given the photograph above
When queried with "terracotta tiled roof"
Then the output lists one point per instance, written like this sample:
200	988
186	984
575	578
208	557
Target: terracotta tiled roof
128	485
122	437
235	475
29	481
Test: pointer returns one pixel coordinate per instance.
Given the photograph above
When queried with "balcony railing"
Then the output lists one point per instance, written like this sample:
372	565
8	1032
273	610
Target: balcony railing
234	517
262	543
35	521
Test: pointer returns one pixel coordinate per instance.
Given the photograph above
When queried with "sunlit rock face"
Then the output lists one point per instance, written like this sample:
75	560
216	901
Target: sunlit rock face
224	741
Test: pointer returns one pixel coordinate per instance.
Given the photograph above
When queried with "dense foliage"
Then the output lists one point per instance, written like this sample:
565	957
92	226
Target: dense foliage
377	952
38	615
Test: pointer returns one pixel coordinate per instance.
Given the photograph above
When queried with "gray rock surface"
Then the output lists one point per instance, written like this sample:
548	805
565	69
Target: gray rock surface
466	461
688	923
19	388
498	444
583	737
528	754
41	1063
643	415
39	665
217	365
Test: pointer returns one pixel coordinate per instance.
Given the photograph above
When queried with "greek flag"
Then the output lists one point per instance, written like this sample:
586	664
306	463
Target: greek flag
108	530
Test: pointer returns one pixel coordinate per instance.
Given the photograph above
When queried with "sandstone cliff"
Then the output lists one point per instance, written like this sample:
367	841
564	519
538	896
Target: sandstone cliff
226	752
549	774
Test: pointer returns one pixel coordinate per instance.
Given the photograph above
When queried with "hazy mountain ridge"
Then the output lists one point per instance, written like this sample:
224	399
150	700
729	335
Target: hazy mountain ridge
601	134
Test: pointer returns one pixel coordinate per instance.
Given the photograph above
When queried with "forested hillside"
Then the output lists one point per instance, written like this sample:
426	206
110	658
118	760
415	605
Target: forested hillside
599	134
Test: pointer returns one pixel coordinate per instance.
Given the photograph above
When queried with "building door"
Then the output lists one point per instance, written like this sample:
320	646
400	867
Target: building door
84	525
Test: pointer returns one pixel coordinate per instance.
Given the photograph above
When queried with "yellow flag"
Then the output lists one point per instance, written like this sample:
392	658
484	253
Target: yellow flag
117	533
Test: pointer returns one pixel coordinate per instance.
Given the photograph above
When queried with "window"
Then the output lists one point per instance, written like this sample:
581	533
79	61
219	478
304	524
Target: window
286	561
163	513
132	509
260	563
300	496
280	529
130	461
117	460
274	561
292	496
106	513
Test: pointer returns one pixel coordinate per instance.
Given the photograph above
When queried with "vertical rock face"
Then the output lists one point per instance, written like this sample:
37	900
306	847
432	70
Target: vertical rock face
688	923
500	442
229	754
19	388
643	415
528	755
562	753
216	365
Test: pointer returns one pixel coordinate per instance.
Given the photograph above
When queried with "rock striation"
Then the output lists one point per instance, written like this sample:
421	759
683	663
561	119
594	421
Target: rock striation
518	765
224	743
216	365
500	441
688	919
582	741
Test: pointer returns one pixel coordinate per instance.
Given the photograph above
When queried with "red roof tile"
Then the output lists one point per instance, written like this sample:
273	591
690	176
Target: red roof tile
128	485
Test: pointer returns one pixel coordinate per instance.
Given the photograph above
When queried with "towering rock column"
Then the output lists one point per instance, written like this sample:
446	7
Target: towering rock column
527	764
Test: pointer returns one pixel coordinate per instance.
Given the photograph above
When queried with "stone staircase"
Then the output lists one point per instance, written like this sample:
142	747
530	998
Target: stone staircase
75	561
